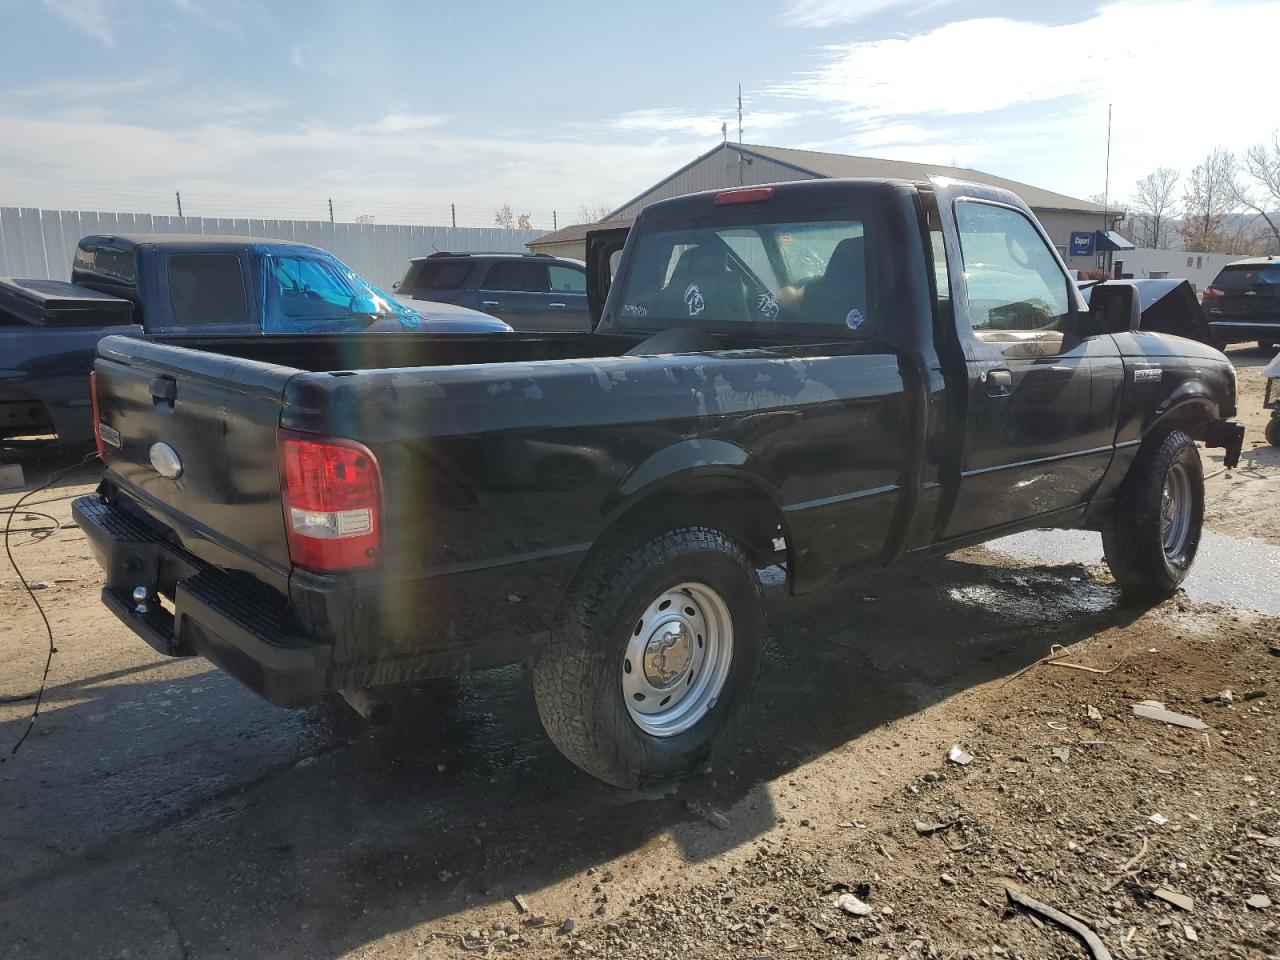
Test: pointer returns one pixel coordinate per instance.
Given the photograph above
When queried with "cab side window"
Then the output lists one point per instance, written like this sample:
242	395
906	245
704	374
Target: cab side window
1018	294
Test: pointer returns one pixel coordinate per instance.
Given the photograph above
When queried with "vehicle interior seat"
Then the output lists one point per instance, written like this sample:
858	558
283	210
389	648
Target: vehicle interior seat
841	288
723	295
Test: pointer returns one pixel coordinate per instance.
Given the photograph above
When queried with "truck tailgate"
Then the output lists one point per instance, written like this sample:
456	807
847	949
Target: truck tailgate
209	422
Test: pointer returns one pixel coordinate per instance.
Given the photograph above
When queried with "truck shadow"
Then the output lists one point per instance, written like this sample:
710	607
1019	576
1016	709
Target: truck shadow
462	801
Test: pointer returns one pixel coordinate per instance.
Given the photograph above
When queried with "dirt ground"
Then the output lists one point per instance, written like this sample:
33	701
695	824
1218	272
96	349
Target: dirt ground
158	810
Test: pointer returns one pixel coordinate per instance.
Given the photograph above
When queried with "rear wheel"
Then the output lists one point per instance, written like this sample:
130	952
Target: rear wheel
1153	533
654	655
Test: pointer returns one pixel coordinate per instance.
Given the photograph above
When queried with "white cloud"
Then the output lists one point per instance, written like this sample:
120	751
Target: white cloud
829	13
403	173
403	122
670	120
1033	97
88	16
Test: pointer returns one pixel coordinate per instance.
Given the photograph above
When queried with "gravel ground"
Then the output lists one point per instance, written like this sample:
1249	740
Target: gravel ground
161	811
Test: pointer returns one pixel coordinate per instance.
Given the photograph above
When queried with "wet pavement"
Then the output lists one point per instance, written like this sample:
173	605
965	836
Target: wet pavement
165	807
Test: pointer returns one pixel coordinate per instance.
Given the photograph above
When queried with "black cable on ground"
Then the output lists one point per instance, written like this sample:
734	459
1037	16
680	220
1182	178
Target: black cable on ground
48	661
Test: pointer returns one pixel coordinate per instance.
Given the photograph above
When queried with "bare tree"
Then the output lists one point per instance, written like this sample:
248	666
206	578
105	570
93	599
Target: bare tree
1153	207
503	217
1258	185
1207	198
524	222
593	212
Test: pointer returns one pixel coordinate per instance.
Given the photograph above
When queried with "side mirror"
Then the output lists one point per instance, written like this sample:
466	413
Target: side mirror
364	306
1117	307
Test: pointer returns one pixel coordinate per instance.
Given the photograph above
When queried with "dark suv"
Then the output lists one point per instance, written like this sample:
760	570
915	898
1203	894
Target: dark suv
530	291
1243	302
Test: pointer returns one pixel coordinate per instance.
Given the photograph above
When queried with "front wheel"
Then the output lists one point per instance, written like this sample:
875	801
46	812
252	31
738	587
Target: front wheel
1153	533
653	656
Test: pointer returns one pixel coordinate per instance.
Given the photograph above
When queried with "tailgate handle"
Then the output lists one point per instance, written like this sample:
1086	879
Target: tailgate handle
164	390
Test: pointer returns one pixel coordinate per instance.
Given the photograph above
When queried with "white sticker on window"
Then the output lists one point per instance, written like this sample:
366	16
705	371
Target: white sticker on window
854	319
693	300
767	304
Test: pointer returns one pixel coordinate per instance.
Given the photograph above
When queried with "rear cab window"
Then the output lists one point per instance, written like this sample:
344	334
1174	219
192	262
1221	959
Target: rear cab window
795	276
206	289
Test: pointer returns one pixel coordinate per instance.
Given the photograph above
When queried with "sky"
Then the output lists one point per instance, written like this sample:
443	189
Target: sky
395	110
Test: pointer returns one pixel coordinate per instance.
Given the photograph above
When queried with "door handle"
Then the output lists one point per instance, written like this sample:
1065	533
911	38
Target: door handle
999	382
488	303
556	306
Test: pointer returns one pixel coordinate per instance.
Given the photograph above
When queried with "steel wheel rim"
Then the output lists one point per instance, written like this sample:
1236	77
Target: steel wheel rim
677	659
1175	511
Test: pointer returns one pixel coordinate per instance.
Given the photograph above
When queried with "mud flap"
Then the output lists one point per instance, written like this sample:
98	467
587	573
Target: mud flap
1227	435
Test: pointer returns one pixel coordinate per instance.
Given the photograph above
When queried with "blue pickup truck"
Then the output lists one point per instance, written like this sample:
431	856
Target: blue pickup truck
175	287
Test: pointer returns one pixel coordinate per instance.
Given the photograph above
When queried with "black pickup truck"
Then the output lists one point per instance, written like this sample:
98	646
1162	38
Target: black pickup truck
826	375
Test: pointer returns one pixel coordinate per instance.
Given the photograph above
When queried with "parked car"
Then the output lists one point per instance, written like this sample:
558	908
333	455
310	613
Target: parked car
1243	302
180	286
531	291
778	376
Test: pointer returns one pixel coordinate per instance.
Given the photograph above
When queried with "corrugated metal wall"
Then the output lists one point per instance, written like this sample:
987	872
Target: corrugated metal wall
40	243
716	172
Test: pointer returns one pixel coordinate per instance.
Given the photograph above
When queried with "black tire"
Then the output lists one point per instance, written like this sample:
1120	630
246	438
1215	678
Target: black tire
1133	536
1273	431
577	679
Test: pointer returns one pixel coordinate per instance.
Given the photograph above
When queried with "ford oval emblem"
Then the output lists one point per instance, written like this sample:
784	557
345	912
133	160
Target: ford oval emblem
166	461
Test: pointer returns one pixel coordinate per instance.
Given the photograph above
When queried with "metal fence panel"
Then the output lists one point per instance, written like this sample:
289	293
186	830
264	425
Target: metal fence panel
40	243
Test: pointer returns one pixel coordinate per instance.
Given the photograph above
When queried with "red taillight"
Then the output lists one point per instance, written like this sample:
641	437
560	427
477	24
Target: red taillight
1212	293
752	195
97	417
332	489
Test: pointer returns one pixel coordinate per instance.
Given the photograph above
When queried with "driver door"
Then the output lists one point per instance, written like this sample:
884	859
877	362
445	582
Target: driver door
1042	391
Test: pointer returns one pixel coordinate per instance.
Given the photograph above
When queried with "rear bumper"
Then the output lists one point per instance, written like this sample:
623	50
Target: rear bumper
241	626
1235	331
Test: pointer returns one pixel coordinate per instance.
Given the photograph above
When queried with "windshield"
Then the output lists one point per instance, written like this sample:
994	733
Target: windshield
305	292
799	274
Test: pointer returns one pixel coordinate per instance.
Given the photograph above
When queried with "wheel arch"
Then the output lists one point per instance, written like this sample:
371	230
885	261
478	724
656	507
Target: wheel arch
1192	407
702	481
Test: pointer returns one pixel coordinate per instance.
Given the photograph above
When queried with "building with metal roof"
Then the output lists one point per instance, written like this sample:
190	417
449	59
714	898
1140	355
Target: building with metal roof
740	164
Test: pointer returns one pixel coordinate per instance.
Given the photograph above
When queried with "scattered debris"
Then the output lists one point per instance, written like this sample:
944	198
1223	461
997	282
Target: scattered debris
521	903
1126	869
1159	819
566	928
957	755
1189	932
1092	712
1179	900
1254	695
708	813
1061	753
1097	948
514	598
1081	666
1155	710
37	585
851	904
1259	901
1222	698
926	828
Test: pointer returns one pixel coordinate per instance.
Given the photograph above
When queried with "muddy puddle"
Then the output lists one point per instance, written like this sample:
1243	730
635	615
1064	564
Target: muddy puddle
1232	570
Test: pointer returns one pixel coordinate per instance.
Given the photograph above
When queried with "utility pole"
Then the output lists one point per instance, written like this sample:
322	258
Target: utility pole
1106	189
741	172
555	224
331	209
453	214
178	196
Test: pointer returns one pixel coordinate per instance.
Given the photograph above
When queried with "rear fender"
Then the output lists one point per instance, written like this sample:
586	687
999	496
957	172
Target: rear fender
706	479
